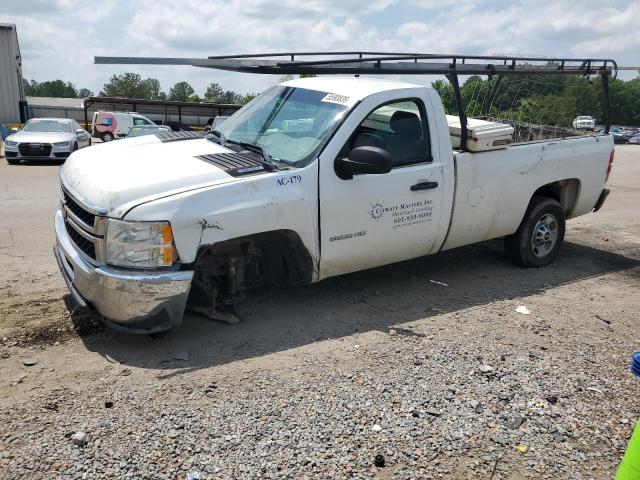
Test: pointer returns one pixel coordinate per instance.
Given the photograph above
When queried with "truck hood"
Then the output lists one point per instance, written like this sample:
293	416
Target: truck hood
117	176
41	137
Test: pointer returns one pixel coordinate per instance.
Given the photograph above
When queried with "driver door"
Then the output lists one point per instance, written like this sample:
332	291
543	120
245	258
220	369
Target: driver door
377	219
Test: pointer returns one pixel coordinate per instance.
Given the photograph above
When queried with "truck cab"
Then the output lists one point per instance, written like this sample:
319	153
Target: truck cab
314	178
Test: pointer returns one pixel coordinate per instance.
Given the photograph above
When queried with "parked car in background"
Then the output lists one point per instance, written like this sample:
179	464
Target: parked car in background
46	139
143	130
214	123
178	126
635	140
584	122
111	125
620	138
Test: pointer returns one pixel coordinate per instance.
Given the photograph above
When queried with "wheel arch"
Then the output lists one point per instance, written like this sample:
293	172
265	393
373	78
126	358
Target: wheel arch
286	258
565	192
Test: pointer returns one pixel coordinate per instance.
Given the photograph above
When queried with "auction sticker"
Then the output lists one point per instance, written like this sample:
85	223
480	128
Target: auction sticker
337	98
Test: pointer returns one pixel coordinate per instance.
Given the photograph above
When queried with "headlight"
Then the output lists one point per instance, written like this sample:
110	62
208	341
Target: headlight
61	144
140	244
10	143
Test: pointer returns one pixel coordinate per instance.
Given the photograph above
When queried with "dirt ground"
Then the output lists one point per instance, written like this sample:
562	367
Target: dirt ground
584	322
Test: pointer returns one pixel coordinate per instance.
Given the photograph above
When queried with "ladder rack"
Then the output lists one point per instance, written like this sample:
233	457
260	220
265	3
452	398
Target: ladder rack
394	63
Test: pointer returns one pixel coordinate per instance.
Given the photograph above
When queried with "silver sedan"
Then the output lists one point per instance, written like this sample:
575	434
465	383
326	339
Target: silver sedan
46	139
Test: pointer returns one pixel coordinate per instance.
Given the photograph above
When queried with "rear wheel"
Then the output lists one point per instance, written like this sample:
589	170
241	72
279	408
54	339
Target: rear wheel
107	136
540	235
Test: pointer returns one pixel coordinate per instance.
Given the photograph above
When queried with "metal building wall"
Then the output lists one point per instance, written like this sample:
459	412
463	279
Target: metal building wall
11	88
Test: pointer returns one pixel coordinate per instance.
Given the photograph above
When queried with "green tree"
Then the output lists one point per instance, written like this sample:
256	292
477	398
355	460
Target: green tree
84	93
181	92
214	92
247	98
153	89
445	90
127	85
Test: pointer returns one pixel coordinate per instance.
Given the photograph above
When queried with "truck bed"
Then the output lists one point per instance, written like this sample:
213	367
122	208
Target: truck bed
494	188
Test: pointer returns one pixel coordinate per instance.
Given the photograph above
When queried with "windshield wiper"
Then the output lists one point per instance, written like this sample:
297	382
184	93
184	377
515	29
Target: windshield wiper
266	159
219	136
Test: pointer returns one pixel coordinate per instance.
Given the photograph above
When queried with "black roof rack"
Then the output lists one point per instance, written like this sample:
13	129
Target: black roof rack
394	63
381	63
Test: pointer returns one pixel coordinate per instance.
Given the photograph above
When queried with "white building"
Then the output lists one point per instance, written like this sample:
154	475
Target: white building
11	87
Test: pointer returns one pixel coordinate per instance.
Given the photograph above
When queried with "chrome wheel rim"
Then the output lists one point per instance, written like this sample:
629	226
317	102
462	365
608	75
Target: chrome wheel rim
545	235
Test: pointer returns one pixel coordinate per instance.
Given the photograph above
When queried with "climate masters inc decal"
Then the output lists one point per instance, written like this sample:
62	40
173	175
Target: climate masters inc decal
401	214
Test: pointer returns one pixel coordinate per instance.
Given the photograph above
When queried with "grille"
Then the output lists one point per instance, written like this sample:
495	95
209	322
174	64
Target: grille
78	211
35	149
86	246
236	164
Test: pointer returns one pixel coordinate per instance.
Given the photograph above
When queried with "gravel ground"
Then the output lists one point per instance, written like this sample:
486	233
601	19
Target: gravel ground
380	374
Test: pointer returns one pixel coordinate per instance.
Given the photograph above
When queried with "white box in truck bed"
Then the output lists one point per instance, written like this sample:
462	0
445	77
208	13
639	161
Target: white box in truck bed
482	135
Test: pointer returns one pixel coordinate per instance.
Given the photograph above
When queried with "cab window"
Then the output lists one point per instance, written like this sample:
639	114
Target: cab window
400	128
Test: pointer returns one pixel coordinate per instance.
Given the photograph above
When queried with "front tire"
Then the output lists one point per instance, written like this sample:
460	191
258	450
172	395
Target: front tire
538	239
107	137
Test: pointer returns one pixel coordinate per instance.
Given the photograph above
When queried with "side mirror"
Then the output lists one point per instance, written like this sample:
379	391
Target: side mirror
14	130
365	159
80	131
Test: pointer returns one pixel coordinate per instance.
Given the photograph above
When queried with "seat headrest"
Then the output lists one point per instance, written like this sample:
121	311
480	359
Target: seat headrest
406	124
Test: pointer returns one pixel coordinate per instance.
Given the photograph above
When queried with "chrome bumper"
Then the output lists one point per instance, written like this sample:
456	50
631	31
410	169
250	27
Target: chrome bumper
136	301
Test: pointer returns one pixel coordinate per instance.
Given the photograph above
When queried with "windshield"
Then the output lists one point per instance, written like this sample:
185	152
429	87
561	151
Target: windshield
584	118
47	126
290	124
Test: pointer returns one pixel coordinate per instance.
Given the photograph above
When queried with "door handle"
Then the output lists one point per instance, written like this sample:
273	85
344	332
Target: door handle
424	186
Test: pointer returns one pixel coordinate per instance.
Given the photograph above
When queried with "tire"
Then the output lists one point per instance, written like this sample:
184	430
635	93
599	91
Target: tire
75	147
107	137
538	239
13	161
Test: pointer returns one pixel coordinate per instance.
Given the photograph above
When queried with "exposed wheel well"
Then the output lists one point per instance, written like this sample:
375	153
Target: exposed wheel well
225	270
564	191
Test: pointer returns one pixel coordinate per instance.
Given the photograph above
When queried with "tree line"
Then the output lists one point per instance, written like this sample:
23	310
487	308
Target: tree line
539	99
544	99
132	85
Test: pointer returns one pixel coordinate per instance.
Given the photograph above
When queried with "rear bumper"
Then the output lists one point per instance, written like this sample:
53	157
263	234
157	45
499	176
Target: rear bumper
135	301
601	199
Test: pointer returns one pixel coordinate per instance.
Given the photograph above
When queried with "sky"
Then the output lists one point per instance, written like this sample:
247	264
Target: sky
59	38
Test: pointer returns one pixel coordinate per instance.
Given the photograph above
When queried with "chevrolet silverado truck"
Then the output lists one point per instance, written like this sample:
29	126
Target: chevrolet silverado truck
316	177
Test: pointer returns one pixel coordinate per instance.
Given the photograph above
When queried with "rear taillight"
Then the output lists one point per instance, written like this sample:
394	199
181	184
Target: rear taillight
610	166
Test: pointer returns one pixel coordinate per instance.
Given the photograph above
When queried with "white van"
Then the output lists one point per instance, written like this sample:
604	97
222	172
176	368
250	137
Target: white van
110	125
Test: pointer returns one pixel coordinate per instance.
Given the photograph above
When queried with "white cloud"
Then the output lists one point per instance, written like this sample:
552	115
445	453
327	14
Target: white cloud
77	30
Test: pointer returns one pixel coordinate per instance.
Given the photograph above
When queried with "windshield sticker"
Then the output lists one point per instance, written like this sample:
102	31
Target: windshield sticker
336	98
402	214
290	180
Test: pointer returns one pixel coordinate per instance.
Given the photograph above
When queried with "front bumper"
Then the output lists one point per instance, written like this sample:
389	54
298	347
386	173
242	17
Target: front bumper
135	301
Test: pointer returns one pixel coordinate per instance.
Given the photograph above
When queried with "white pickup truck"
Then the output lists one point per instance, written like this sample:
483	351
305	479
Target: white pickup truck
316	177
